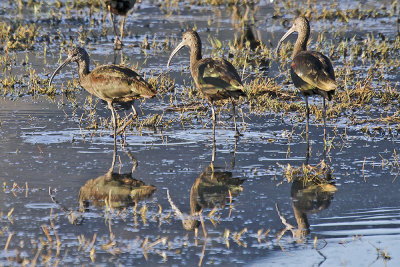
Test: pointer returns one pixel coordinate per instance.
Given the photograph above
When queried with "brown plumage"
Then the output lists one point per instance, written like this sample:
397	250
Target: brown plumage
312	72
216	78
111	83
119	7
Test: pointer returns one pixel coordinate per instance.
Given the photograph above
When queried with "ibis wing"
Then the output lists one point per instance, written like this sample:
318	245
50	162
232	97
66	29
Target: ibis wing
118	84
315	69
217	79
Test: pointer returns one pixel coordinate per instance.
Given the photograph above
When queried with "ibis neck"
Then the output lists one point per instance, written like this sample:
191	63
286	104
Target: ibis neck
195	55
83	69
301	43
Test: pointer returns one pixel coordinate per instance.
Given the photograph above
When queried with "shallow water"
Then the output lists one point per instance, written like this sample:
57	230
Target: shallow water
42	147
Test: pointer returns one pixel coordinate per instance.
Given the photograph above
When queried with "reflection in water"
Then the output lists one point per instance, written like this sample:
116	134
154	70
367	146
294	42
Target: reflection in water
312	191
119	190
214	188
211	189
243	20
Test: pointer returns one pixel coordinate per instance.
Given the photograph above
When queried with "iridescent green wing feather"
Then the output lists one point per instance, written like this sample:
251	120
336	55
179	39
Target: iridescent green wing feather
315	69
217	79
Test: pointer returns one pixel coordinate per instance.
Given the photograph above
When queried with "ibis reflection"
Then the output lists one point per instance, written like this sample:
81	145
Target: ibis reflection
312	191
215	187
116	189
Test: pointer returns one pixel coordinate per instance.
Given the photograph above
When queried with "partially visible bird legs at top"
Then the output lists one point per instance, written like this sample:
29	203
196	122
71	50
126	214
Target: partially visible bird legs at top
121	27
117	41
134	116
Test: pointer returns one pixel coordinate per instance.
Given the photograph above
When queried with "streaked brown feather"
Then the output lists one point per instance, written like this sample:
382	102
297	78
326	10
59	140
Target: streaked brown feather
117	83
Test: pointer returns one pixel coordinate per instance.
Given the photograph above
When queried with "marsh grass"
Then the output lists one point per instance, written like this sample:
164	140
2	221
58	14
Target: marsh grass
18	36
319	174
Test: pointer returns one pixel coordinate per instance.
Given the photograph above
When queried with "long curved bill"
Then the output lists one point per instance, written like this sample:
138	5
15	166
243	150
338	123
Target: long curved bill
289	32
66	61
180	45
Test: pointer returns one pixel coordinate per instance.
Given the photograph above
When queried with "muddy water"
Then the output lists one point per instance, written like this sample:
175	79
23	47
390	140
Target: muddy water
42	147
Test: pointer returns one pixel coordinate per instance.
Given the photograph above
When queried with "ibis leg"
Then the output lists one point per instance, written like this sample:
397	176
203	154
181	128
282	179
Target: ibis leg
117	41
134	116
110	171
114	118
134	112
234	154
308	152
214	148
324	115
121	29
214	120
113	24
237	133
307	117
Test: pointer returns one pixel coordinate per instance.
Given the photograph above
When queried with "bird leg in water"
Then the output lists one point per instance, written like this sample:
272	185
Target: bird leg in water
324	115
213	153
237	133
134	116
307	116
308	151
114	118
111	170
213	119
234	155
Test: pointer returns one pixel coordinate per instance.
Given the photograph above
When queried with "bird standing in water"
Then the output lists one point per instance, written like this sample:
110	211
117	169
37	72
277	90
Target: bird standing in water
119	7
111	83
312	72
216	78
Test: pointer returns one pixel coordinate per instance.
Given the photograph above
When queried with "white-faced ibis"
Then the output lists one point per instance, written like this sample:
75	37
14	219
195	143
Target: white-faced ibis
111	83
312	72
119	7
216	78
